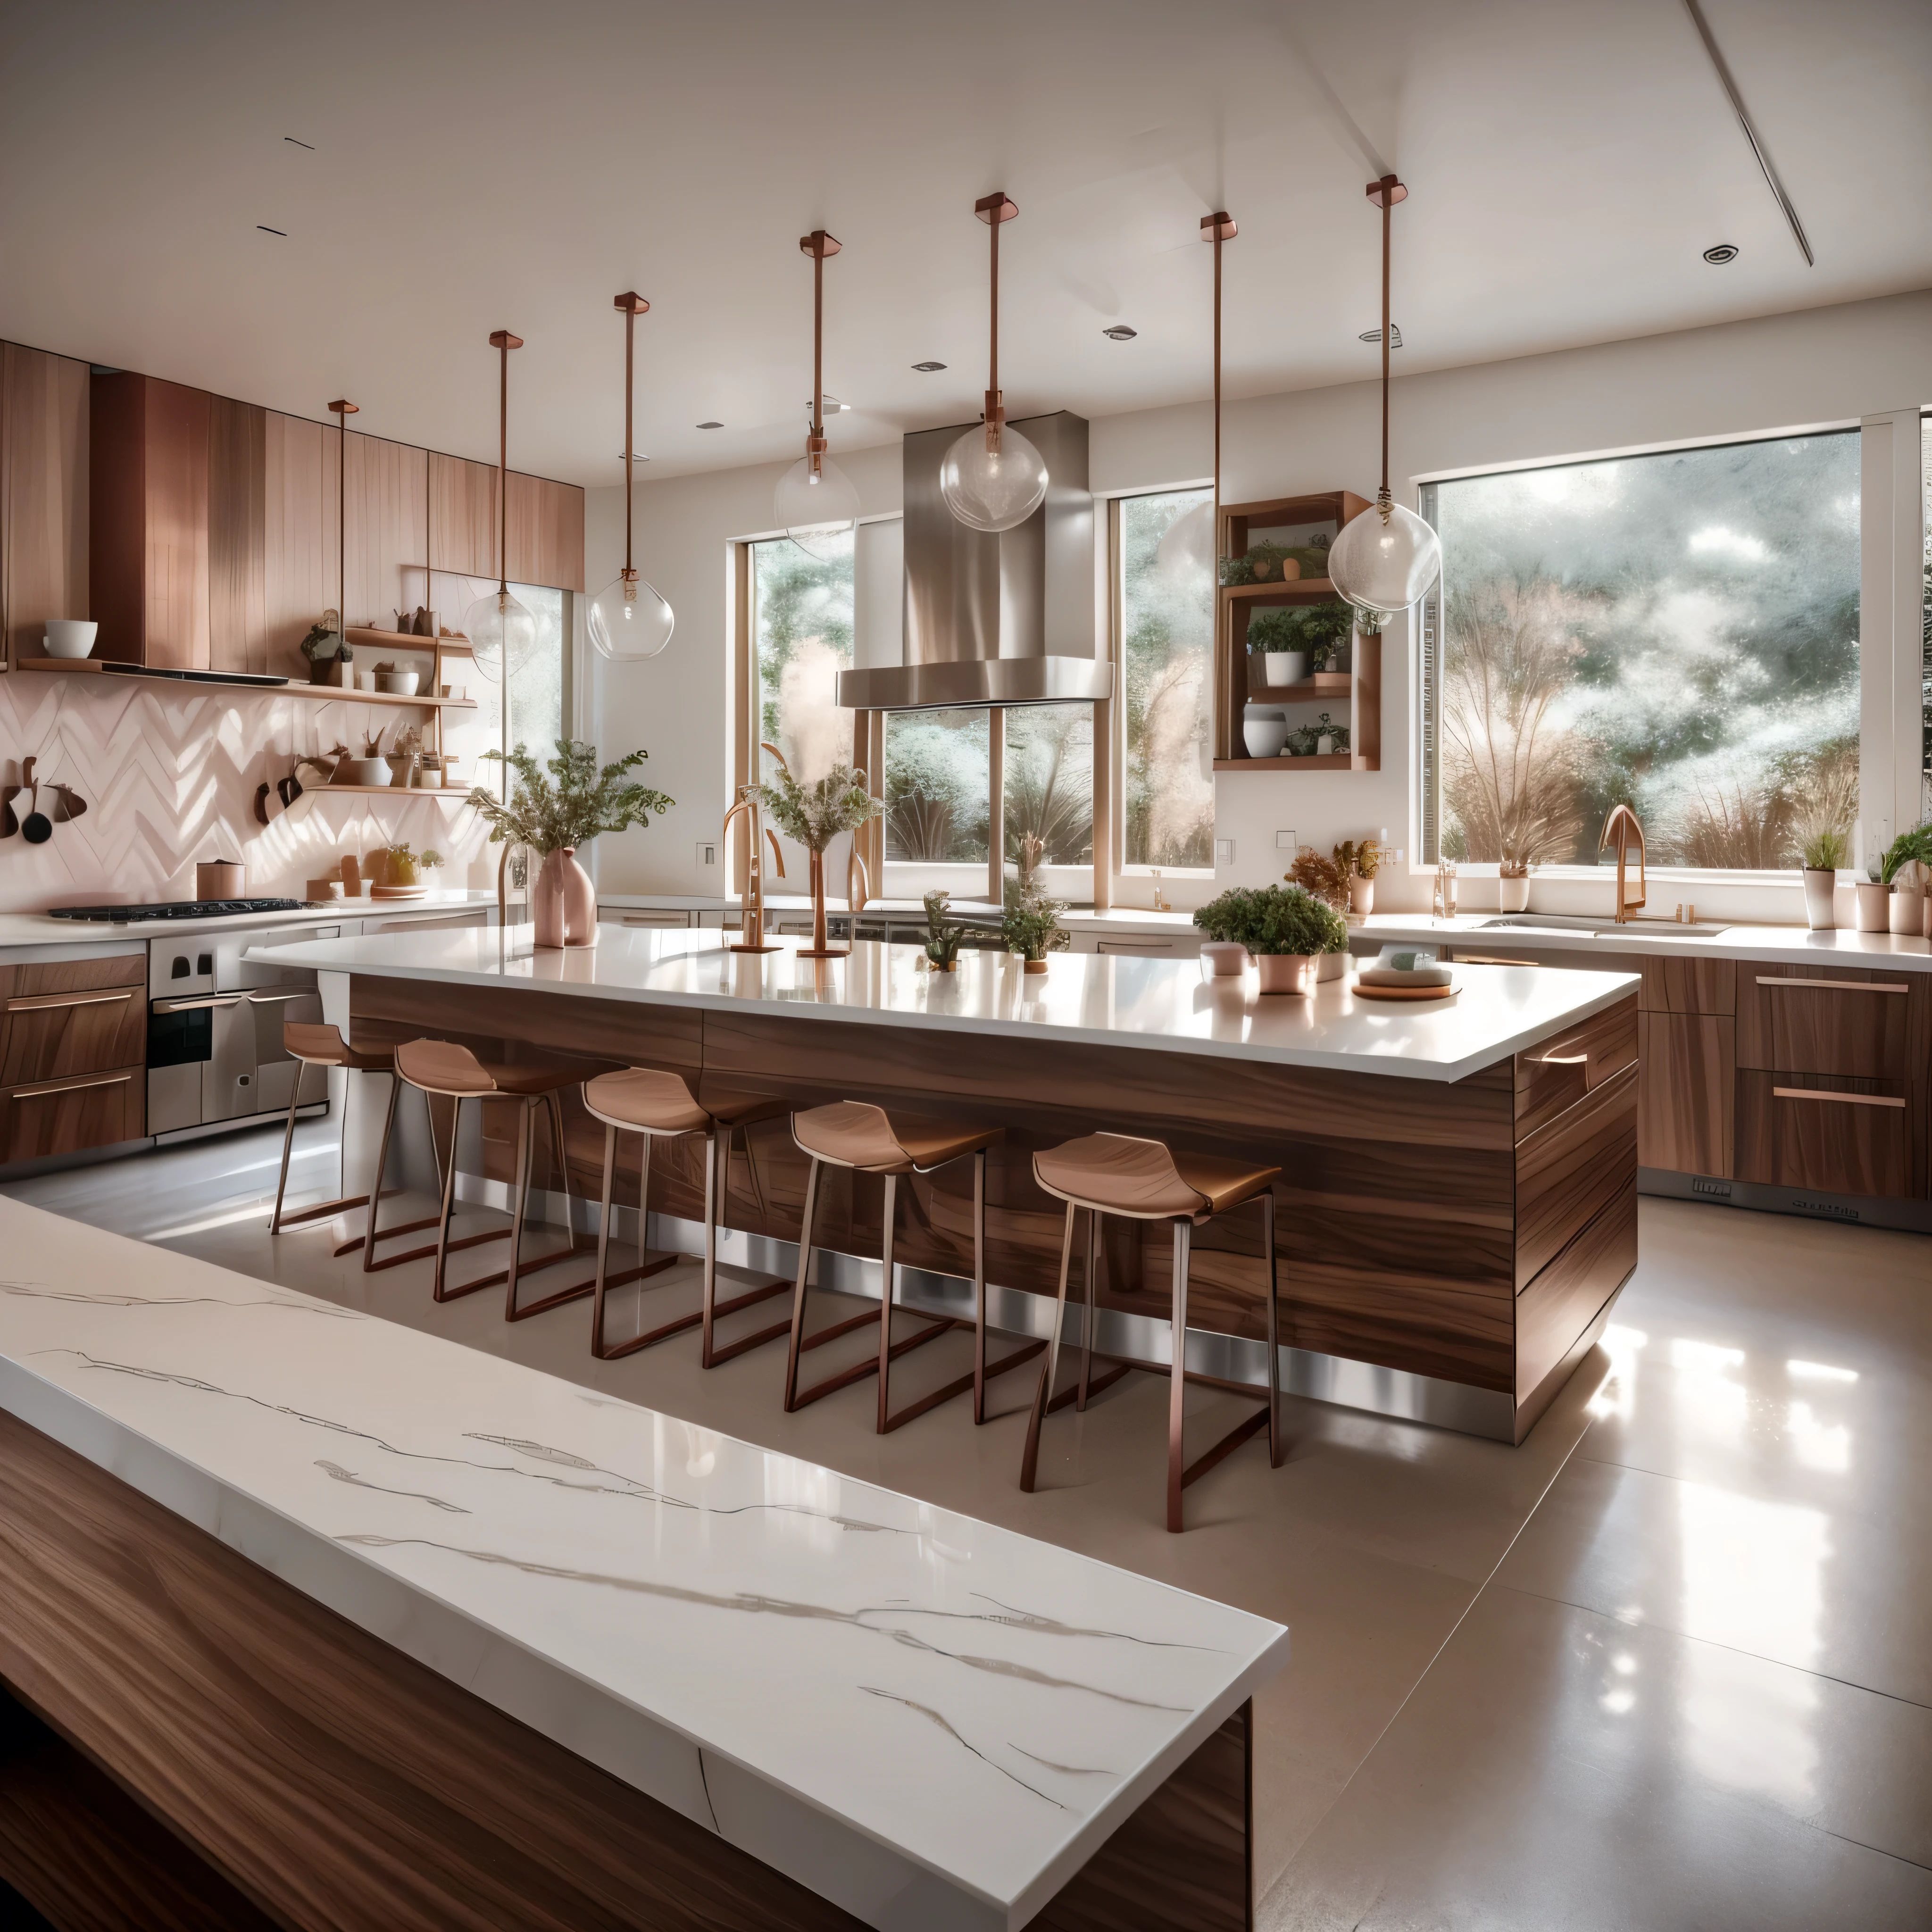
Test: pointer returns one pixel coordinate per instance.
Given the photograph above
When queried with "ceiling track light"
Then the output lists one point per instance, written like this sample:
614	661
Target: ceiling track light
501	631
816	503
992	478
630	619
1388	561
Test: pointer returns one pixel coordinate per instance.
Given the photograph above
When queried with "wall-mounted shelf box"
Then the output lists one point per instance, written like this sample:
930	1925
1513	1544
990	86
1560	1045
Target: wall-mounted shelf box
323	694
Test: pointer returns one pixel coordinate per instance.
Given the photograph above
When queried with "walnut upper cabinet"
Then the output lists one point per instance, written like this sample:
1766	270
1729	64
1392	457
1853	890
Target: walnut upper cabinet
43	416
545	519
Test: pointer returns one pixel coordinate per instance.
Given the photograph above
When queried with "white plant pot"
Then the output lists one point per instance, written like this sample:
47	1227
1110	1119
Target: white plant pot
1264	736
1285	972
1820	914
1874	907
1331	966
1225	959
1513	894
1908	912
1287	667
1362	896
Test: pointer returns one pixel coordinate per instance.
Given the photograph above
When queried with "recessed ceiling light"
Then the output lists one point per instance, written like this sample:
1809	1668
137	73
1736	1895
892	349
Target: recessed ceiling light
928	368
1119	332
1725	251
294	143
1376	335
263	228
711	425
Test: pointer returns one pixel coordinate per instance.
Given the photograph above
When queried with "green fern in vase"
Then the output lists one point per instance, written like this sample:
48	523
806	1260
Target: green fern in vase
566	800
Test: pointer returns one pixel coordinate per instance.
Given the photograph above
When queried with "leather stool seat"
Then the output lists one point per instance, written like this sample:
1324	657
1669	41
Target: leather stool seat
1143	1179
323	1045
857	1135
655	1104
443	1067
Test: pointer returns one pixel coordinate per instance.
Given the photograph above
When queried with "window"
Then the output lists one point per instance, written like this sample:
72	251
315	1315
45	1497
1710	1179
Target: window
1049	782
1678	631
1925	632
801	640
1167	630
937	788
535	716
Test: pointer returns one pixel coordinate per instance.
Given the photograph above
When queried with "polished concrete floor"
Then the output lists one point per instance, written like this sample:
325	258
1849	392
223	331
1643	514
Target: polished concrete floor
1668	1664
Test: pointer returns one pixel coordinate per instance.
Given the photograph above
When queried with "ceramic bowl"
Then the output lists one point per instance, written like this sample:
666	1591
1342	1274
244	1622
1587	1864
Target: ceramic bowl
399	683
70	637
362	772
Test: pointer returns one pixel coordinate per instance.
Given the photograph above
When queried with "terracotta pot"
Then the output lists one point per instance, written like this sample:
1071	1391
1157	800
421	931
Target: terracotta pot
1513	894
1036	966
1819	885
1362	896
1908	912
1874	907
1286	972
1227	958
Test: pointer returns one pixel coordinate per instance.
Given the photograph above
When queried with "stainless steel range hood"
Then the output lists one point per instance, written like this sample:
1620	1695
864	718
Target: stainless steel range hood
994	620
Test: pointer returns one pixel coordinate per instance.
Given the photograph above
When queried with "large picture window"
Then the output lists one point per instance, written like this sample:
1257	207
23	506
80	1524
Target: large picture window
1167	636
1678	631
802	606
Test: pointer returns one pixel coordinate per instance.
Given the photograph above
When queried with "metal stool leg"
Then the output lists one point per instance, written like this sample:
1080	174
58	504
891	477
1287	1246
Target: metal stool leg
604	1237
717	1175
288	1146
887	1272
438	1288
443	1245
1177	1376
1026	1351
1030	1461
798	1293
1089	1385
525	1164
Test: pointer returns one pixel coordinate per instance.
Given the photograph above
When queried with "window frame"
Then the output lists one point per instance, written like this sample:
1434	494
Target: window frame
1424	772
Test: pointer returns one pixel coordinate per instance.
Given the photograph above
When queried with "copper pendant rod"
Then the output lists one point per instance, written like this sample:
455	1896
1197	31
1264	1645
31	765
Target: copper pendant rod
503	341
993	209
343	409
993	359
818	343
634	305
1385	193
1217	228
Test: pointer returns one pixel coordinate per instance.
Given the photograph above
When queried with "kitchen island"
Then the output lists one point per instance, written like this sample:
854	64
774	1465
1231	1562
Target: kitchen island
1457	1204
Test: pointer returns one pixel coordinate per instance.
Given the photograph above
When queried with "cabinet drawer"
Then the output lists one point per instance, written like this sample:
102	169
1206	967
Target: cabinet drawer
47	1035
53	1117
1836	1020
1839	1136
74	976
1555	1074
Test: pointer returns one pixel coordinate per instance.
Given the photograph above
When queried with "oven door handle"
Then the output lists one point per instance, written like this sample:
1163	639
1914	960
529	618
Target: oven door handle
267	996
199	1003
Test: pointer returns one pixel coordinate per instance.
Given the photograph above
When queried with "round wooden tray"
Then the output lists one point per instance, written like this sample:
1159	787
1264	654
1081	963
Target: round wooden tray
1447	992
398	892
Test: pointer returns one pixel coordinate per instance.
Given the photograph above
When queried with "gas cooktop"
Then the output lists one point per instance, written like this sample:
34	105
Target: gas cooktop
176	909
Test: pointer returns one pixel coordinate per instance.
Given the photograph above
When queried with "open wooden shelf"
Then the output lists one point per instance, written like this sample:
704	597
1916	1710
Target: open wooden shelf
324	694
452	794
1286	586
1310	690
1336	761
408	640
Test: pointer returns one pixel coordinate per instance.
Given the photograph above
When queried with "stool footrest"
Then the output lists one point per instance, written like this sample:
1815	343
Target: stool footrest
1071	1393
940	1324
1226	1446
322	1209
577	1245
745	1343
420	1254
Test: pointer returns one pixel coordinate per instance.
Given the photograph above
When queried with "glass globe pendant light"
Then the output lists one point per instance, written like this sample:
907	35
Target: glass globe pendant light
992	478
817	504
501	632
1388	561
629	618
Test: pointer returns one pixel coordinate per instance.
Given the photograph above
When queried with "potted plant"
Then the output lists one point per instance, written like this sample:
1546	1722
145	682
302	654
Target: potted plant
1273	638
1898	872
1825	852
1288	930
1513	883
1030	923
813	815
943	935
323	646
554	808
1358	865
407	867
1330	738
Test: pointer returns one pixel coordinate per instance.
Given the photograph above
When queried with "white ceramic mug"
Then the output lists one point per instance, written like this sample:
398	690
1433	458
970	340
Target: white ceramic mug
70	637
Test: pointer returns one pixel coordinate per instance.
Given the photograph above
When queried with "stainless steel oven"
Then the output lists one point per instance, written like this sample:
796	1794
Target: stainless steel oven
214	1031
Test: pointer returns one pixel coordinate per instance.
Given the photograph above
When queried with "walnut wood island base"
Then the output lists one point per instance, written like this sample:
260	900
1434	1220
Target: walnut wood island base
1458	1205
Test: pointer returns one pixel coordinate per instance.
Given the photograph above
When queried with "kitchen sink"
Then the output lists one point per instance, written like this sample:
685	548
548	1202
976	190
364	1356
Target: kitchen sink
1657	928
1537	922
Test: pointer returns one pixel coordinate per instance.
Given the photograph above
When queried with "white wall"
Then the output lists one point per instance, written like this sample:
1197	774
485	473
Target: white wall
1820	366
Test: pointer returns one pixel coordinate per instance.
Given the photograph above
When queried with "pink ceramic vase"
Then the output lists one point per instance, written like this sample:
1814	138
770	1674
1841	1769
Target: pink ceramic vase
563	902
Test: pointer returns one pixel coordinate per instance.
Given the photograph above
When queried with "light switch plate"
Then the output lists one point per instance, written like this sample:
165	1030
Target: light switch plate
707	852
1285	841
1224	851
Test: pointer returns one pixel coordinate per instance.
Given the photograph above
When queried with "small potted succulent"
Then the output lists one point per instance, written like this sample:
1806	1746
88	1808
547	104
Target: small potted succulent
1359	864
1030	923
1825	852
943	935
1288	930
1513	883
323	646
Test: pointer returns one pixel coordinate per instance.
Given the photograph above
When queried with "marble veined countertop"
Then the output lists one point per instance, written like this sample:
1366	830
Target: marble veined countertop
935	1722
1092	999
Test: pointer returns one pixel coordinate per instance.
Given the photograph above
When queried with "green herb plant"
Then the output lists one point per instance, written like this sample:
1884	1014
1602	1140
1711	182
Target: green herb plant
943	935
1903	851
1030	922
566	800
814	814
1276	918
1825	852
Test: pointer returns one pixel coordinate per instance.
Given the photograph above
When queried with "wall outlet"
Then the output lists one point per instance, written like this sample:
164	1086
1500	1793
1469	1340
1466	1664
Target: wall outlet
707	852
1285	841
1224	851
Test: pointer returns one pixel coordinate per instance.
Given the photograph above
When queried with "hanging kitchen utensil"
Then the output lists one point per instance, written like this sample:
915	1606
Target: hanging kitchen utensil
37	827
9	824
68	803
289	789
262	802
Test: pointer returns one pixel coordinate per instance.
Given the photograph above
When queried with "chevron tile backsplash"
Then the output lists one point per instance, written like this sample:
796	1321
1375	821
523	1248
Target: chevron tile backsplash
169	775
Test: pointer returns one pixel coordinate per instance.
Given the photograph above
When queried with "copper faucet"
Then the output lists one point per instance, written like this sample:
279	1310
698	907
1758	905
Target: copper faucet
1619	829
751	916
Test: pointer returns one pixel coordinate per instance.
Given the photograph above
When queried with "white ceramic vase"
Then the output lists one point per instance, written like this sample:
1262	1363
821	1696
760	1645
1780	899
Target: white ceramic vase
1874	906
1819	885
1362	896
1264	736
1908	911
1513	894
1287	667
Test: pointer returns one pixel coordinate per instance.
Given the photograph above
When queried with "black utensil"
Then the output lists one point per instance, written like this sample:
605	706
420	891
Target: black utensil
38	827
262	802
9	824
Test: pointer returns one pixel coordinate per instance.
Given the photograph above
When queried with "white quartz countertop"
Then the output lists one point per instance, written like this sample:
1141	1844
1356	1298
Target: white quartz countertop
1161	1004
1656	941
41	929
934	1721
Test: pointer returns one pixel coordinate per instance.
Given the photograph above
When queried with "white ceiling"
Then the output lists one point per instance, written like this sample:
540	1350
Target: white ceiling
498	164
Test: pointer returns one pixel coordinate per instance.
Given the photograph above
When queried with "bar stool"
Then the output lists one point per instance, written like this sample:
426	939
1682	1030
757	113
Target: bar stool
323	1045
656	1105
1145	1180
856	1135
438	1068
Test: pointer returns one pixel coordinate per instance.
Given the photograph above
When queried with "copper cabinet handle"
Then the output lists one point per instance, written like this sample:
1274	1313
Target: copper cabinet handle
267	996
1839	985
1846	1099
198	1003
40	1002
104	1080
1487	959
1559	1060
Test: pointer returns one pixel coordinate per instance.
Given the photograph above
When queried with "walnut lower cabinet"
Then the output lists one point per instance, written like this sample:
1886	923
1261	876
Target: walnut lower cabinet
1684	1115
73	1040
